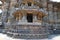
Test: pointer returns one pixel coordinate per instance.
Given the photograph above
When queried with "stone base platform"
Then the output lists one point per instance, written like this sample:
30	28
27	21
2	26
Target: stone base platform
27	31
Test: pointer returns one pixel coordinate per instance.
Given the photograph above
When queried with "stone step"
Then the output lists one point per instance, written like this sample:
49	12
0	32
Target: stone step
28	36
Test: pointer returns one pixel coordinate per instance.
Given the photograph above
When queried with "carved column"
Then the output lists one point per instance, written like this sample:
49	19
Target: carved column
34	18
20	17
24	18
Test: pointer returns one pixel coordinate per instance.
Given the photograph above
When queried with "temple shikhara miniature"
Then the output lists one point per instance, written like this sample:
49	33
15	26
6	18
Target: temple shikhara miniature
29	18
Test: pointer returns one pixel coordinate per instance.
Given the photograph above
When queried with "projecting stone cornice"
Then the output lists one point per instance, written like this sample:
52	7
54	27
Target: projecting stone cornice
33	10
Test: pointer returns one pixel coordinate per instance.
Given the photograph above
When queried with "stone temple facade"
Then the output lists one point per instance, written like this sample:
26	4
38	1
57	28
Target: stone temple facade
29	18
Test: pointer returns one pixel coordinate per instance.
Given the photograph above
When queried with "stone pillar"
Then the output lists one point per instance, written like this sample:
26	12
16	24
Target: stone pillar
24	18
20	17
34	18
32	4
16	18
8	21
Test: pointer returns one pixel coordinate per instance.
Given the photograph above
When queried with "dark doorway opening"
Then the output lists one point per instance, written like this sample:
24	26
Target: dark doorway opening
29	3
30	17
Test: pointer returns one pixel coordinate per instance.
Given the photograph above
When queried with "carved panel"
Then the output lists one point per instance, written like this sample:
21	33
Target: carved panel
17	15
